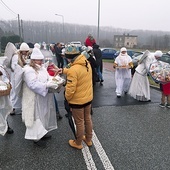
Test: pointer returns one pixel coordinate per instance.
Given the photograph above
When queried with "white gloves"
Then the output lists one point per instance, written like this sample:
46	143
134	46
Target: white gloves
51	85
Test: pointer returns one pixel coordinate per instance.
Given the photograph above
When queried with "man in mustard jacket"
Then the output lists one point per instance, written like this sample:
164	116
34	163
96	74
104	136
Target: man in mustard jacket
79	94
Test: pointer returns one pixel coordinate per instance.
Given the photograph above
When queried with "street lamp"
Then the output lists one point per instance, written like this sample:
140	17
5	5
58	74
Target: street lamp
98	21
63	26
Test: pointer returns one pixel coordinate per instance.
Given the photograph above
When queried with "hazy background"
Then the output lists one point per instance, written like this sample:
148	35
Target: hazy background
125	14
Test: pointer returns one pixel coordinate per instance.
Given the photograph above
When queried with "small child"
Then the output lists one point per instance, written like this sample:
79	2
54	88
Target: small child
165	88
52	69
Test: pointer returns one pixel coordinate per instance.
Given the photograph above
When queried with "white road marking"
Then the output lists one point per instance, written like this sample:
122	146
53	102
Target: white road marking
88	158
102	154
103	157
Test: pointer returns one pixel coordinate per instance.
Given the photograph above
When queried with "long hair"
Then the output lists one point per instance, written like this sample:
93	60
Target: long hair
34	66
21	59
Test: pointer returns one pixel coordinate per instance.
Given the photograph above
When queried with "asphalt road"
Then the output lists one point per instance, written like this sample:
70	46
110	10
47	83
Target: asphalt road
128	135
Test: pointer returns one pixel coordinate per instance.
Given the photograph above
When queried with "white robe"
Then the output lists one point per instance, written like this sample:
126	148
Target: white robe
122	76
140	87
38	107
15	99
5	106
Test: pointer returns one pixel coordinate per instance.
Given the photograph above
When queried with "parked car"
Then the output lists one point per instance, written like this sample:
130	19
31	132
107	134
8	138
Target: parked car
108	53
76	43
130	53
136	57
165	58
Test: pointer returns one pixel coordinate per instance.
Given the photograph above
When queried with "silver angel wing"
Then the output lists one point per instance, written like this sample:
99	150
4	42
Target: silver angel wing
145	54
47	53
10	50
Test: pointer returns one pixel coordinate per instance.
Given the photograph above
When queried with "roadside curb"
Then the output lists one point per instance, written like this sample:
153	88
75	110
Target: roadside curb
154	87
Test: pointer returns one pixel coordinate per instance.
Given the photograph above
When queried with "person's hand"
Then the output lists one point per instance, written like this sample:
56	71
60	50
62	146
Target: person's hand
60	71
51	85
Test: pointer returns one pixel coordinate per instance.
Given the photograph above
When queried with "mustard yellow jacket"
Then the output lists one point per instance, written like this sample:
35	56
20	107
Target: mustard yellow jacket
78	89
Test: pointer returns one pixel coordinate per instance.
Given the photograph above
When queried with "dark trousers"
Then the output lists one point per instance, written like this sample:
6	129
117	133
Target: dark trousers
60	62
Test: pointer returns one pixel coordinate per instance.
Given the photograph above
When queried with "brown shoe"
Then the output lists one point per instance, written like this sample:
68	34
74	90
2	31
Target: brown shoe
87	143
73	144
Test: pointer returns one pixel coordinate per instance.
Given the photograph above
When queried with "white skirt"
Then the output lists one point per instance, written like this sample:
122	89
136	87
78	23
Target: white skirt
5	109
140	88
36	132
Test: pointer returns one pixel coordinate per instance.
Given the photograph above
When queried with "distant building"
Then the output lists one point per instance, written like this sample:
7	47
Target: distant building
129	41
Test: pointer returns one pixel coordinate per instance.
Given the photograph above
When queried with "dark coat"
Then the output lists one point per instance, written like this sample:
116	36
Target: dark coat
98	54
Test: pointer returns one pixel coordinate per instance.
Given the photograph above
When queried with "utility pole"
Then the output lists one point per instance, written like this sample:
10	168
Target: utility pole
19	27
98	22
22	30
63	26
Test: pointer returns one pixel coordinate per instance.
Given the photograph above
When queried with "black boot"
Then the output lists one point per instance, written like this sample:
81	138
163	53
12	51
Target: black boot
10	131
59	117
40	143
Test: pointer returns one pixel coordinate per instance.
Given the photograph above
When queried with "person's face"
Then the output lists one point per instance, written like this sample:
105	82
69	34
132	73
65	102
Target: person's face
24	52
39	62
123	52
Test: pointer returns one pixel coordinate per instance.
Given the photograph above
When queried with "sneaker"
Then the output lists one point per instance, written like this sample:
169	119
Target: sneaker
87	143
118	96
161	105
101	83
13	112
73	144
168	106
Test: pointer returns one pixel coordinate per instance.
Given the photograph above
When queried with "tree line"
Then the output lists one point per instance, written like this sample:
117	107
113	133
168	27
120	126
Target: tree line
52	32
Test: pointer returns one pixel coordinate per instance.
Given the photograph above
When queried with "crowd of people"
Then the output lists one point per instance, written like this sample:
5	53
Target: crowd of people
32	74
137	85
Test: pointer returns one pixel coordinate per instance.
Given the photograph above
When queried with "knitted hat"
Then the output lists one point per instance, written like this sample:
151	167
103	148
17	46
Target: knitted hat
37	45
158	53
24	47
37	54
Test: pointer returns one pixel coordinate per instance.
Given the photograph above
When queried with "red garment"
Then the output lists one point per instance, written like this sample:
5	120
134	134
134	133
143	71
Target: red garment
90	42
50	70
166	89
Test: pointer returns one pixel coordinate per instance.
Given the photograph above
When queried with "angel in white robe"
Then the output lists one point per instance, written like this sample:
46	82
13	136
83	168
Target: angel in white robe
5	105
38	107
140	87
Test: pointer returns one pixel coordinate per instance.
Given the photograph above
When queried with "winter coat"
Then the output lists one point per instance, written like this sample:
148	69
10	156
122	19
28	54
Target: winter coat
98	55
90	42
78	90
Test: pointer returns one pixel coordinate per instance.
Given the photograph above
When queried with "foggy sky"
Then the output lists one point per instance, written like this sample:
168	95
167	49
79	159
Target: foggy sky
125	14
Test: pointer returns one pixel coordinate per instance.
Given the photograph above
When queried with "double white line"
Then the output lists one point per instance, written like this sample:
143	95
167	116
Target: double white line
102	154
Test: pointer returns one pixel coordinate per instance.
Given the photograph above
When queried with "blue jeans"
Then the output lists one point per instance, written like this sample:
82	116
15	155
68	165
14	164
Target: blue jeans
56	104
99	73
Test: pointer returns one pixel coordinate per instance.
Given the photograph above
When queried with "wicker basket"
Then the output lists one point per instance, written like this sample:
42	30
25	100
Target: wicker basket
7	91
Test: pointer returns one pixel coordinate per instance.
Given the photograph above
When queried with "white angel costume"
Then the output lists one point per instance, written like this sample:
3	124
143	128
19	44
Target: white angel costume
15	98
38	107
122	75
5	105
10	63
140	88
